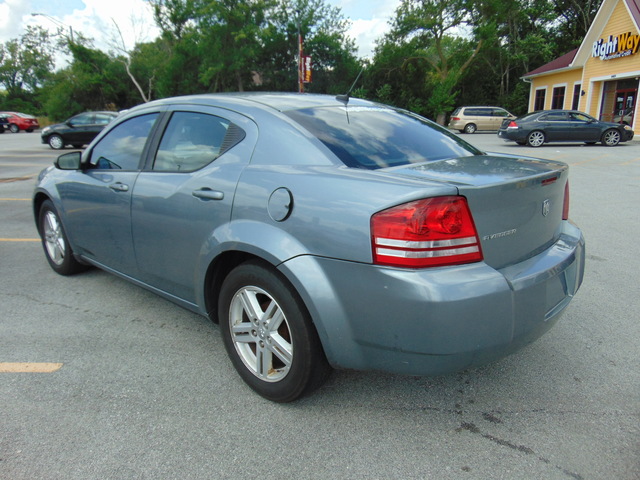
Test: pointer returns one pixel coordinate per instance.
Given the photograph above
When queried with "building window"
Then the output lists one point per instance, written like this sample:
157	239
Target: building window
557	100
577	88
539	100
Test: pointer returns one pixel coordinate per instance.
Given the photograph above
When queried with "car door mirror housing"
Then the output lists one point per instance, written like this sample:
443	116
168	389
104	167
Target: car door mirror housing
69	161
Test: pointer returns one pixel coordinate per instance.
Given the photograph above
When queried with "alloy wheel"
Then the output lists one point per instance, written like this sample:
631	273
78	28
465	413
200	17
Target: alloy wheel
261	334
54	239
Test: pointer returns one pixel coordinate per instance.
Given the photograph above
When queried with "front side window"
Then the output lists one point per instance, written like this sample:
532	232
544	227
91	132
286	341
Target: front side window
378	137
193	140
581	117
82	119
122	147
103	118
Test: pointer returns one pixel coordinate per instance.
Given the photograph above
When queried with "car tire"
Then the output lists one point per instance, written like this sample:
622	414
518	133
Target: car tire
470	128
55	141
536	138
268	334
611	137
55	243
13	128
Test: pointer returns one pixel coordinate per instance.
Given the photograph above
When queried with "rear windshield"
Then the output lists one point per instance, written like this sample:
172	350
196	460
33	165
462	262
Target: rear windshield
380	137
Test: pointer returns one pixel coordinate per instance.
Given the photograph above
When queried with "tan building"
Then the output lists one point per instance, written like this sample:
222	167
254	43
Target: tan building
601	77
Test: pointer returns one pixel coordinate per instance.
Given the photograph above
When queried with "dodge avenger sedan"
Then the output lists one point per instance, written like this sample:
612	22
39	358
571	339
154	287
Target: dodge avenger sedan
538	128
320	233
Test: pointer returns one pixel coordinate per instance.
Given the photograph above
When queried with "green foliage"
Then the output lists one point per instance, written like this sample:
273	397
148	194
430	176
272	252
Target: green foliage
25	64
438	54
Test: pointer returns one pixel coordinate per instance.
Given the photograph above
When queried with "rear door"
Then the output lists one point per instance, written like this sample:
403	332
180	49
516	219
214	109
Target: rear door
484	119
555	126
186	192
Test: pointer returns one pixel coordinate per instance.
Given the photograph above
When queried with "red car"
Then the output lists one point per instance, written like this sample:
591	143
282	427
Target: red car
21	121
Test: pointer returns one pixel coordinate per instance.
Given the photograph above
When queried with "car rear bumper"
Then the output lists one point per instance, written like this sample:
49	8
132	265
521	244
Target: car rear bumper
512	134
434	321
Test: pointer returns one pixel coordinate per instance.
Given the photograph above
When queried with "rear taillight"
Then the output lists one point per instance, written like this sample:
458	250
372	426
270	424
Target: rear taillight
431	232
512	124
455	119
565	206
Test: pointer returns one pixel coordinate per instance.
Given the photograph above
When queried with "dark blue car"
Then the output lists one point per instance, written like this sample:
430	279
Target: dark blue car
538	128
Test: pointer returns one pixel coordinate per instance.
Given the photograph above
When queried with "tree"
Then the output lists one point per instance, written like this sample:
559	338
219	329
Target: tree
93	81
429	25
230	41
324	32
573	20
26	63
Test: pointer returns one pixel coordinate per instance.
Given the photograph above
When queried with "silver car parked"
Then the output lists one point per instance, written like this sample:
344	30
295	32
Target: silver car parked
319	232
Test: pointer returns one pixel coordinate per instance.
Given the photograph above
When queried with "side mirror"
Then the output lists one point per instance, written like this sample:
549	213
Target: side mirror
69	161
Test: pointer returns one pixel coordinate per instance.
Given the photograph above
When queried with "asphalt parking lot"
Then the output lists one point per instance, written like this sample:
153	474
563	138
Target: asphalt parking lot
121	384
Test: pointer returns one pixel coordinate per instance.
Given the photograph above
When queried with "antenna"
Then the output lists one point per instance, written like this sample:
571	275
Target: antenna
345	98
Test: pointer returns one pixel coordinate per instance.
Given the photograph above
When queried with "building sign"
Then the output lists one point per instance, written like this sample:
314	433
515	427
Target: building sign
623	45
306	69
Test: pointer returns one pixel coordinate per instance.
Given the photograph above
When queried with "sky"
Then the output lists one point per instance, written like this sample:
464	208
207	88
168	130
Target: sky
95	19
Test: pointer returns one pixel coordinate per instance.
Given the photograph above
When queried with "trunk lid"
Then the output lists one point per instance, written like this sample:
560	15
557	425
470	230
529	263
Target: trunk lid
516	203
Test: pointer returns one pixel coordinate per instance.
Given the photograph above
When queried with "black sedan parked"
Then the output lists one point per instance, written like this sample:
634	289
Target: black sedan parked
537	128
77	131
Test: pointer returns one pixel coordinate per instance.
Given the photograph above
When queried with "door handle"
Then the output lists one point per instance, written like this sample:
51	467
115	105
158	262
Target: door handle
208	194
119	187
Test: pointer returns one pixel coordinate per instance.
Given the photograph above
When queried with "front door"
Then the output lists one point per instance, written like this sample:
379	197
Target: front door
97	202
624	108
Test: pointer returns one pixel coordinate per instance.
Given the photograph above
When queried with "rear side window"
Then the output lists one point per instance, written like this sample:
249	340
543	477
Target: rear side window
193	140
554	117
380	137
478	112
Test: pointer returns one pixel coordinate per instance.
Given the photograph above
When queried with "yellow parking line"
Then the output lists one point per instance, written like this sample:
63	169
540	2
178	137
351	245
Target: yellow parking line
19	239
28	367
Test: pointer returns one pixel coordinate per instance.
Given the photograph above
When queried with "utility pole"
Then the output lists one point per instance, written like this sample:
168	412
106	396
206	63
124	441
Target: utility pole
300	73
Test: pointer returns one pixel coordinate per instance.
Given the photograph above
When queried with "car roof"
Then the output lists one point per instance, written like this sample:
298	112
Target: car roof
277	101
108	112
